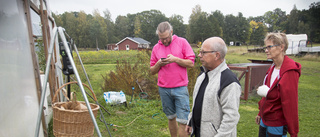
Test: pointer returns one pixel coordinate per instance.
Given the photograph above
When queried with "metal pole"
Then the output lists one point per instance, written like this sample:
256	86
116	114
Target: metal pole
69	87
292	48
63	38
44	87
84	70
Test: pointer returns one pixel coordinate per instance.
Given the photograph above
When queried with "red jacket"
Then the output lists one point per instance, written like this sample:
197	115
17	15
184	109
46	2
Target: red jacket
280	106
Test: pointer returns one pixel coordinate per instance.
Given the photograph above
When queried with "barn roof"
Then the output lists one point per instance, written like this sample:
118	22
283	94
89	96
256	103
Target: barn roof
135	39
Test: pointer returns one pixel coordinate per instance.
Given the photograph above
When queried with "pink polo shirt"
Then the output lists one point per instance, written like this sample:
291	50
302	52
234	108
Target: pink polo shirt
172	75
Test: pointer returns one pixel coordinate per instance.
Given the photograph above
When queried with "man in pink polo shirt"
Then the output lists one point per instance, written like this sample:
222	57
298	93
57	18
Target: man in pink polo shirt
170	58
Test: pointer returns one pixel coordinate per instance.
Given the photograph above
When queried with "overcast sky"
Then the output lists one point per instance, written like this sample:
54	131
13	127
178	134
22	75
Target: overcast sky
180	7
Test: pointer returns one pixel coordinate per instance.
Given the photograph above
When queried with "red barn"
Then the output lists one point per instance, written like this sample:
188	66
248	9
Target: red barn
133	43
111	47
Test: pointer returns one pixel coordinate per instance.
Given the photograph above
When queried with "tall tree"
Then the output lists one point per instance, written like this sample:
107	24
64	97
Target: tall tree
197	25
149	22
237	29
293	20
98	30
257	33
275	20
110	27
70	23
304	24
121	27
82	29
137	27
314	14
303	28
58	19
257	19
213	26
220	18
253	27
243	27
178	27
230	30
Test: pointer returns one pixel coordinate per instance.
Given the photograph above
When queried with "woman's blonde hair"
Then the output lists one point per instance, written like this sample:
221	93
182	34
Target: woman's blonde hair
277	38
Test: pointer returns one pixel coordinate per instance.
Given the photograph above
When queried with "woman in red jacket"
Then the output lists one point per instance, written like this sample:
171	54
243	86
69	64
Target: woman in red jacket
279	104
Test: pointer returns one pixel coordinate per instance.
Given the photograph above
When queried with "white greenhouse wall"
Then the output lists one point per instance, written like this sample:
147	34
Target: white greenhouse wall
19	104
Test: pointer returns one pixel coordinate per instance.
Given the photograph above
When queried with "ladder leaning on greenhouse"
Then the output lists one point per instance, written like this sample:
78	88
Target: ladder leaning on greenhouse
63	38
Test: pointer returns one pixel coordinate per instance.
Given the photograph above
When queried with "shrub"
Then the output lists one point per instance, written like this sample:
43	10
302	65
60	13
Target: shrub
193	73
128	75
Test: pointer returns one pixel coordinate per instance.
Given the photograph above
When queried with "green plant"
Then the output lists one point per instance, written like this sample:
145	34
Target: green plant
128	75
40	54
193	73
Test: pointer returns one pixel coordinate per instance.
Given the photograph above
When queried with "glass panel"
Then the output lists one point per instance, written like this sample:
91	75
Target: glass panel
18	96
37	3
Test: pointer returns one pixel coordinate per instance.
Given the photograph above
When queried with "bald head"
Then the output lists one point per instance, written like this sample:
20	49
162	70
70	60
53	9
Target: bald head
217	44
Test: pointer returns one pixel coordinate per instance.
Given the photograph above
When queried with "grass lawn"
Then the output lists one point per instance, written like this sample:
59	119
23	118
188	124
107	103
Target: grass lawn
145	117
95	72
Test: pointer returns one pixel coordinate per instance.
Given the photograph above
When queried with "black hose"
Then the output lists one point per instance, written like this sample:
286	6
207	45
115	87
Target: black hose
132	94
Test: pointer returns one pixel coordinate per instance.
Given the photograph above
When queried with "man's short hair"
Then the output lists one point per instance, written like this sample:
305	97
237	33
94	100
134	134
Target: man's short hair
163	27
220	47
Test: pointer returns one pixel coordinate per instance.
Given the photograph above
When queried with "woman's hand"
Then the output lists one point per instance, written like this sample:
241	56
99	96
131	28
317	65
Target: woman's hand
258	118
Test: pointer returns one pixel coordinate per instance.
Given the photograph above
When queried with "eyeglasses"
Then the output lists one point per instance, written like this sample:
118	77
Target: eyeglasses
203	52
270	46
162	39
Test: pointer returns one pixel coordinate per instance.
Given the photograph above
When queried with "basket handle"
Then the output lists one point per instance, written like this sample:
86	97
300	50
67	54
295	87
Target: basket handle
64	92
72	82
73	97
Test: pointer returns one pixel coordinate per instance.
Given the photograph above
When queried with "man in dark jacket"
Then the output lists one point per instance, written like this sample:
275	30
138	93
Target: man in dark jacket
216	95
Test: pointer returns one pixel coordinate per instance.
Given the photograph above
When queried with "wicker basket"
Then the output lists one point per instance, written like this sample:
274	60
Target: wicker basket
72	122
